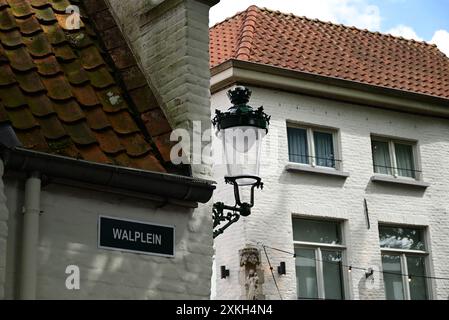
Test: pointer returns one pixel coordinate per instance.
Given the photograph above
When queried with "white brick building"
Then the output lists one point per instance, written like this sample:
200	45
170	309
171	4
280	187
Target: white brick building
348	165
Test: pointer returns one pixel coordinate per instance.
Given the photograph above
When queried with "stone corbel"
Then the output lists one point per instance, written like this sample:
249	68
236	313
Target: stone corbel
251	274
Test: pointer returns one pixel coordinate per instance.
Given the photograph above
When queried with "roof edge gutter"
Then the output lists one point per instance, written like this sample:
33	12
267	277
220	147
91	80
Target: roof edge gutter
243	72
167	186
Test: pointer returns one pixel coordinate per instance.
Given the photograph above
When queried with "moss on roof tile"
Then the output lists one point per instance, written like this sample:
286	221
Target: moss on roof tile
63	94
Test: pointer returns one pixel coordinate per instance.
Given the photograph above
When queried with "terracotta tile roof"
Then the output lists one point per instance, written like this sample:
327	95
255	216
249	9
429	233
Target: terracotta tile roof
298	43
77	93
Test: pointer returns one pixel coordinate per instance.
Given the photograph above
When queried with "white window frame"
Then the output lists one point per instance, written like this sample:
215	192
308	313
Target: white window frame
318	247
310	129
403	253
392	151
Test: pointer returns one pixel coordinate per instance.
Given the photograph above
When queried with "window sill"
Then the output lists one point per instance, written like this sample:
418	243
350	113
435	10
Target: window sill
401	181
296	167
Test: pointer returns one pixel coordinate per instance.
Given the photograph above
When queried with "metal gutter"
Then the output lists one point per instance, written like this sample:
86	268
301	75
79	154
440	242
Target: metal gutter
167	186
243	72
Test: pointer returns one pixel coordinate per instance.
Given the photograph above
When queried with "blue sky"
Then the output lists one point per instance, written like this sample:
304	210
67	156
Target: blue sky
414	19
423	16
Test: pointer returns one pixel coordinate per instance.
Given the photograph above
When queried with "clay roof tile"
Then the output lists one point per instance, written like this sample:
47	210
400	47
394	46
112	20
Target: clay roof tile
122	122
22	119
12	97
45	15
109	142
40	105
30	82
97	119
11	38
7	20
47	66
20	8
75	72
58	87
54	33
135	145
301	44
85	95
51	127
91	58
20	59
100	78
38	45
80	133
68	111
62	92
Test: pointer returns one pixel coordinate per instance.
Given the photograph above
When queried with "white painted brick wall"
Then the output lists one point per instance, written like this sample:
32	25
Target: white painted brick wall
4	214
68	235
173	51
287	193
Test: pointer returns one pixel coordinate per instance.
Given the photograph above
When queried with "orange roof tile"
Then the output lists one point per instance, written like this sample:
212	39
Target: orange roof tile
301	44
77	93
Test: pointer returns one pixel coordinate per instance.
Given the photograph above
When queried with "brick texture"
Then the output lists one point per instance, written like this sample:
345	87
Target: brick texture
173	50
286	193
107	274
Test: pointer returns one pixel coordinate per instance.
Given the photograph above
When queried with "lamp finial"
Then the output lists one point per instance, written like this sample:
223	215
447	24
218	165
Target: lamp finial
239	95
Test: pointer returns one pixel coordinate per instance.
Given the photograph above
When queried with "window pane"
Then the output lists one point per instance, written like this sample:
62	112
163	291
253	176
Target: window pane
306	280
324	149
381	157
401	238
298	148
394	289
418	285
404	159
316	231
332	273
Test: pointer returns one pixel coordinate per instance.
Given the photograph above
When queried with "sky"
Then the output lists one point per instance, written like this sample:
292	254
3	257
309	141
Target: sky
422	20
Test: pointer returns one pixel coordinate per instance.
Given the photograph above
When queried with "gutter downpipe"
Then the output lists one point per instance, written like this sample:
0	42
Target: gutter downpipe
30	237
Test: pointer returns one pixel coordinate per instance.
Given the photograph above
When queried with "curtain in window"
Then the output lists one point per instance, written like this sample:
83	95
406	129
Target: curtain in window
417	271
332	274
381	157
404	159
324	149
394	288
297	145
306	278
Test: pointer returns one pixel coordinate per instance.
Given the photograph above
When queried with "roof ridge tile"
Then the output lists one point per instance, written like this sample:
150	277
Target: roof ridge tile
333	50
246	37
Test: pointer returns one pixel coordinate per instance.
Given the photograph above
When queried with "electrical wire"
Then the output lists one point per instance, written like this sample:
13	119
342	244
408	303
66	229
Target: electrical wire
352	267
272	273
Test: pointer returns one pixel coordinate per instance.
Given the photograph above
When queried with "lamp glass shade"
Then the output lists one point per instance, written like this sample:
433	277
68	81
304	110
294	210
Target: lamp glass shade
242	150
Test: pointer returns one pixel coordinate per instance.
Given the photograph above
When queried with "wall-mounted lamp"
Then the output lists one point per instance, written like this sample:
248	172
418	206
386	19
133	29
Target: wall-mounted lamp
224	272
241	130
281	269
370	273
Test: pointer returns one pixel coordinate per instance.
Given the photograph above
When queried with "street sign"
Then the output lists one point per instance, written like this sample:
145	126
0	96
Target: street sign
137	237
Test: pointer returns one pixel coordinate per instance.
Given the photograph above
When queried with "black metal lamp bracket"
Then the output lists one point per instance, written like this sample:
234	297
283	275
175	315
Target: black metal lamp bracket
233	212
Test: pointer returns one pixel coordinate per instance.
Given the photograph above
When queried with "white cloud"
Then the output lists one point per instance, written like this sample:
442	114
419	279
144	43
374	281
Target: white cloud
357	13
405	32
441	39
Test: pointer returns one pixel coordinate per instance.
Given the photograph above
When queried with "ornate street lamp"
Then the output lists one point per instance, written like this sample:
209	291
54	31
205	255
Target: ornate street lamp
241	130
